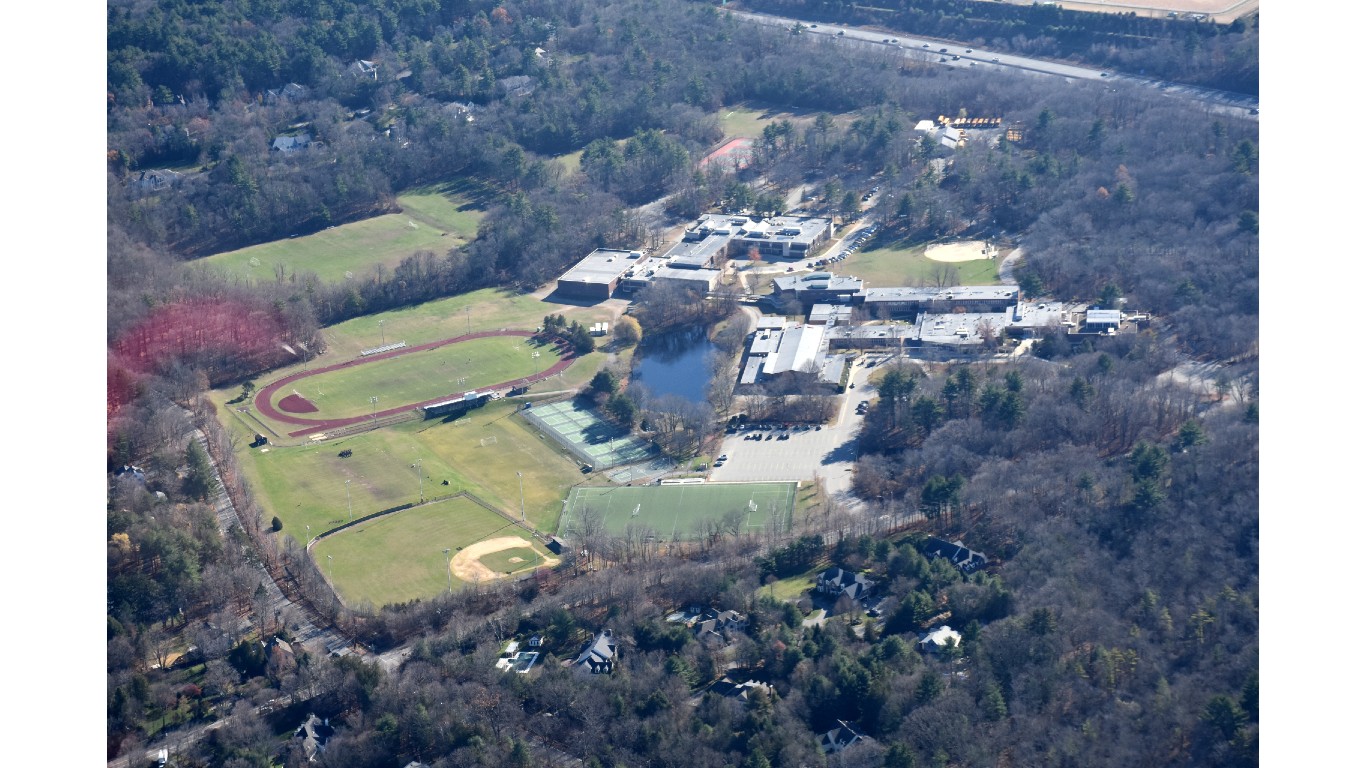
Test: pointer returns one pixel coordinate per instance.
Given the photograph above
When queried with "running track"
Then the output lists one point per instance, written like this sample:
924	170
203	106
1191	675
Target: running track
264	396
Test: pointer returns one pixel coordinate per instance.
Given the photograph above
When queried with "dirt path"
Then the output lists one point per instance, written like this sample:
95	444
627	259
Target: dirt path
465	564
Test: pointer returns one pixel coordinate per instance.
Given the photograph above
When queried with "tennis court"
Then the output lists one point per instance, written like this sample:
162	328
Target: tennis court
589	438
679	510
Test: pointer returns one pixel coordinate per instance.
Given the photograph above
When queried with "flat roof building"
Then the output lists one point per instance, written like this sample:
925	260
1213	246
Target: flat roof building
597	275
777	237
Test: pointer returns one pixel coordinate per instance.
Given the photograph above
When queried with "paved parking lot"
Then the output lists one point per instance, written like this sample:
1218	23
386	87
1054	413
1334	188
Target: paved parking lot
829	453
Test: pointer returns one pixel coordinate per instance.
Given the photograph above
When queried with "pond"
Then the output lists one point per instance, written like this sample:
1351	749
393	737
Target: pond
677	364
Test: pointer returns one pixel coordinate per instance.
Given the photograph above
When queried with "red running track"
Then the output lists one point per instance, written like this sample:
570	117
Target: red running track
264	395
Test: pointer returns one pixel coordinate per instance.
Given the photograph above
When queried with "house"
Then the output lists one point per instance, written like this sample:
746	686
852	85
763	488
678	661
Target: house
713	626
963	558
291	143
291	92
740	691
840	738
599	655
516	85
837	581
315	732
926	126
943	637
365	68
155	181
953	138
535	641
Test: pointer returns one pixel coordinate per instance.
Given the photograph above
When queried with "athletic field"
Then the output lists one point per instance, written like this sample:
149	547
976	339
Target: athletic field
681	510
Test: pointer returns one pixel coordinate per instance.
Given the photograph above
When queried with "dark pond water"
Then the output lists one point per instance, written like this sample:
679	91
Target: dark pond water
678	364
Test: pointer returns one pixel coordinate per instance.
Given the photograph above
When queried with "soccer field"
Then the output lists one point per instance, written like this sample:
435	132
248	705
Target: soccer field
680	510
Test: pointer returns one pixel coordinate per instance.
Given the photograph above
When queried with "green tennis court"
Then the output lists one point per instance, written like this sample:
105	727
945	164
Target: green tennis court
683	510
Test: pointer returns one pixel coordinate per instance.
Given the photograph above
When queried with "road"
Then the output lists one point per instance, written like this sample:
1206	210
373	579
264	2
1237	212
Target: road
316	639
953	54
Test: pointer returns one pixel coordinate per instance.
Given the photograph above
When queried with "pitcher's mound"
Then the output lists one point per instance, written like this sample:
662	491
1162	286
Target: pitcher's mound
297	404
971	250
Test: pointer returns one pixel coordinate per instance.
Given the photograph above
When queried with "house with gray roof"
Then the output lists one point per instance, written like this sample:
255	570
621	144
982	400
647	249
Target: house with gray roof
962	558
837	581
599	656
840	738
291	143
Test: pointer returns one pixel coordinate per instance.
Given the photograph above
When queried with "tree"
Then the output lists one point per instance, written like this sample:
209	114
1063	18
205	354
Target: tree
1225	716
199	481
627	331
604	382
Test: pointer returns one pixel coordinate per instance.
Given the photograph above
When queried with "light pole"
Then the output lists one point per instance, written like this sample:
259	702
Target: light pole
521	496
447	550
348	501
381	333
308	535
419	479
329	568
467	321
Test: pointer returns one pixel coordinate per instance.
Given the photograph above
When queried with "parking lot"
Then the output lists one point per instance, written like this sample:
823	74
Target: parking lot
828	453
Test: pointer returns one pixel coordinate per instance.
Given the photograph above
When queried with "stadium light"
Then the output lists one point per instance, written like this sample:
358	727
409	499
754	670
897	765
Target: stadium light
467	320
447	550
521	496
348	500
329	568
381	333
374	406
419	479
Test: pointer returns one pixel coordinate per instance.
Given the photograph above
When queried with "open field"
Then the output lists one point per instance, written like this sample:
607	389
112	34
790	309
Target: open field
419	376
898	264
398	557
680	509
488	309
306	485
749	119
433	219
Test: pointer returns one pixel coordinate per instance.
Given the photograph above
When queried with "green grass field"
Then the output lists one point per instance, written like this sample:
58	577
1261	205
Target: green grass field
489	309
749	119
898	264
433	219
419	376
306	485
399	557
512	560
680	509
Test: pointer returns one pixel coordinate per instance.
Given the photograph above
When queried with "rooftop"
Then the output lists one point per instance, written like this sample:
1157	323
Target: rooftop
601	266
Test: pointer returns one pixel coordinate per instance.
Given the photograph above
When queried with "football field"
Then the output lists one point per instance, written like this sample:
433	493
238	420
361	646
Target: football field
682	510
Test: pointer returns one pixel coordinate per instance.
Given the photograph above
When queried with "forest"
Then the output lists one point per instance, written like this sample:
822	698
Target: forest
1118	621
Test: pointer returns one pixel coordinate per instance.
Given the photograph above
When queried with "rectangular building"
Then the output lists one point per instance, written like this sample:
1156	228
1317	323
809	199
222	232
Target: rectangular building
597	275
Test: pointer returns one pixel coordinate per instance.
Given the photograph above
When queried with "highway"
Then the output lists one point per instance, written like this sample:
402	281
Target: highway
953	54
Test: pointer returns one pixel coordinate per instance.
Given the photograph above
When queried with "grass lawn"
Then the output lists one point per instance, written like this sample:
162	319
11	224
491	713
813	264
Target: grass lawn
748	120
512	560
900	264
399	557
489	309
571	162
306	485
792	588
419	376
433	219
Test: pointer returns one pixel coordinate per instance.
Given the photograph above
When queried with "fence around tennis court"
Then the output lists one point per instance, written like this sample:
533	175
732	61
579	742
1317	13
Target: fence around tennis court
571	427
